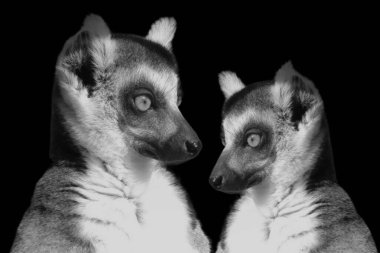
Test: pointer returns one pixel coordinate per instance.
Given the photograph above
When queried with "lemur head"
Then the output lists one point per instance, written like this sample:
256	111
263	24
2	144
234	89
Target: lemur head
120	93
270	131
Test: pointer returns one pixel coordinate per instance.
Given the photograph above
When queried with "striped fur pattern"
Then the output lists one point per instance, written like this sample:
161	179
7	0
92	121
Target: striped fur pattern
115	125
278	156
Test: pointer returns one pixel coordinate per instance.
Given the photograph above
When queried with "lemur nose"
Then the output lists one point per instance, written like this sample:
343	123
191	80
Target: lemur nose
193	147
217	182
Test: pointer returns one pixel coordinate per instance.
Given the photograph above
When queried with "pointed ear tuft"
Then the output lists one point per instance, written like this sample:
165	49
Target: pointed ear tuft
285	73
298	82
95	26
296	93
230	83
162	31
88	53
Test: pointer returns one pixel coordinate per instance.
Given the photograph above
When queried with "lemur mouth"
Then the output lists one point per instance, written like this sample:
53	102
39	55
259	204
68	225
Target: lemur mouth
256	178
166	155
149	151
250	182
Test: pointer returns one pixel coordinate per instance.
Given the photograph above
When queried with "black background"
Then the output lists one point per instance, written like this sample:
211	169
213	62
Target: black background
333	47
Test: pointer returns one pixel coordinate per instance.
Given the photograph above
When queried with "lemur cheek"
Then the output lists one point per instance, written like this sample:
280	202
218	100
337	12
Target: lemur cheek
235	163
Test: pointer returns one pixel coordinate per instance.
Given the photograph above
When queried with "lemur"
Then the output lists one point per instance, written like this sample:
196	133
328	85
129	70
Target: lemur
115	125
277	155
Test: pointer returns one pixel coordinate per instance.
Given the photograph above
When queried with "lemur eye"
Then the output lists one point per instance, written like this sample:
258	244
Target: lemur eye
143	102
254	140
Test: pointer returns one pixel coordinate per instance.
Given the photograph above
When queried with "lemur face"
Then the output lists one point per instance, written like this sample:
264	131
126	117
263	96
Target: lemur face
149	115
267	130
123	90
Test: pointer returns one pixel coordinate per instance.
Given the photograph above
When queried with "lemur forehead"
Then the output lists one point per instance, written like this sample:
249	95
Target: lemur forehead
256	95
133	48
236	122
164	80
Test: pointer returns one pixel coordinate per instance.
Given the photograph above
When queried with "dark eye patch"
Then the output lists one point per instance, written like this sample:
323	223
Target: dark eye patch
263	130
142	87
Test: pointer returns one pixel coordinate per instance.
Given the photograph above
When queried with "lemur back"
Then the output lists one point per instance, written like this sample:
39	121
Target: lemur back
115	125
278	156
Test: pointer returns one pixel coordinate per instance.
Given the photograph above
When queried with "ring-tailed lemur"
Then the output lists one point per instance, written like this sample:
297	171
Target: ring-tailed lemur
278	155
115	122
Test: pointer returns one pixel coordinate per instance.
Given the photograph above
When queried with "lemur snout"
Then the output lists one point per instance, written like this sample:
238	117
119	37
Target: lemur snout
193	147
181	147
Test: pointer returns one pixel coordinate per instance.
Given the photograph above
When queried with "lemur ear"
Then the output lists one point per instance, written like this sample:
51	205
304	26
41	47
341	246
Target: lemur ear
88	53
296	94
230	83
287	74
162	31
95	26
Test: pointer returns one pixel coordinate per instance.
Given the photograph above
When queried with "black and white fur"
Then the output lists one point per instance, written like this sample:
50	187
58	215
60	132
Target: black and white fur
108	190
290	199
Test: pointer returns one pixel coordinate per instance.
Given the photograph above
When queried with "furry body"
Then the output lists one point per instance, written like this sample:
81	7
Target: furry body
115	123
74	211
320	221
278	156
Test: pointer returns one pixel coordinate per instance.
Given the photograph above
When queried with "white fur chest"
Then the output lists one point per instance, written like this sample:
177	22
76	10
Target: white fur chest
249	231
163	224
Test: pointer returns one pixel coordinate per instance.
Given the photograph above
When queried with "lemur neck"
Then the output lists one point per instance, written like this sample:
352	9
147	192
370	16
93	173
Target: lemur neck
293	200
297	195
130	182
